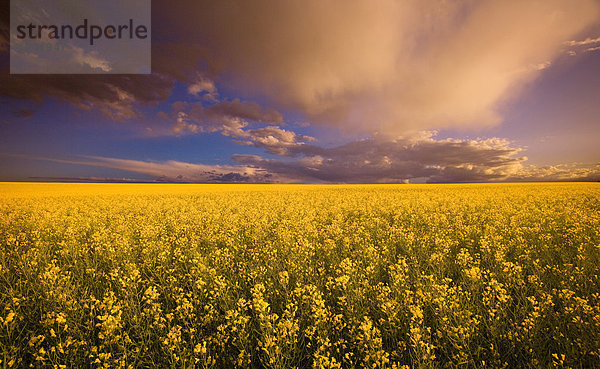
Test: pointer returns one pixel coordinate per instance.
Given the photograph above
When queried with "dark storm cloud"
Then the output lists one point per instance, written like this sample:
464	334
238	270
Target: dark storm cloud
116	96
4	30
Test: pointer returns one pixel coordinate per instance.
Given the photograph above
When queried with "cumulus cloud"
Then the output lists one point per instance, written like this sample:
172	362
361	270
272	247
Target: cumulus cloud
233	119
398	160
204	87
573	172
274	139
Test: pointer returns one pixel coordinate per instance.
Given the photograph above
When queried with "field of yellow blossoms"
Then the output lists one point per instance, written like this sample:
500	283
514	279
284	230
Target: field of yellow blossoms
284	276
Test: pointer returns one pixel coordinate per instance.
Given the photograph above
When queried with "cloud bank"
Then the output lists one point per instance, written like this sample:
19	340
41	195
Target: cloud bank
364	161
397	161
423	159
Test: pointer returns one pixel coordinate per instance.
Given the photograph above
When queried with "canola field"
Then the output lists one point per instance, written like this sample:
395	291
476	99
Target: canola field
299	276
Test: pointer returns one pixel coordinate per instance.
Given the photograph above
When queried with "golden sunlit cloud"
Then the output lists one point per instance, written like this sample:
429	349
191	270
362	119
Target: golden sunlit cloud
393	67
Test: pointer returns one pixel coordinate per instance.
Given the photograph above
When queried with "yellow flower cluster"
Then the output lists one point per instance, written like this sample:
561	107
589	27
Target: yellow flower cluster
293	276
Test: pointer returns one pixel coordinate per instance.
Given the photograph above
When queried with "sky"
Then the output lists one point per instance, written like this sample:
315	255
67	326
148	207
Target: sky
319	91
